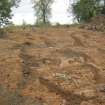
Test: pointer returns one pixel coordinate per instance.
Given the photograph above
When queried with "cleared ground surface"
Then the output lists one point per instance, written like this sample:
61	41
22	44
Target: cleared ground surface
64	66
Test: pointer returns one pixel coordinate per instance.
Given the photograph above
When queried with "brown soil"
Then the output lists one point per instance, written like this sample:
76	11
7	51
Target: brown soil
53	66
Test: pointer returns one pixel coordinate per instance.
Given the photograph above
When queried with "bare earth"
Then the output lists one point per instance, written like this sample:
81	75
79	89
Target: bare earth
54	66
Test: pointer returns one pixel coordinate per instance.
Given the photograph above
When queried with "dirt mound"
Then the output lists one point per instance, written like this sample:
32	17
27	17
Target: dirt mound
64	66
97	23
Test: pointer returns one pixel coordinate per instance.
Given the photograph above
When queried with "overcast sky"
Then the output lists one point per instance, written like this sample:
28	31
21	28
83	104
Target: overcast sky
25	12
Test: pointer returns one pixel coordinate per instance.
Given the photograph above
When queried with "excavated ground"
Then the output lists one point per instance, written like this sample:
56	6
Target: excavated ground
53	66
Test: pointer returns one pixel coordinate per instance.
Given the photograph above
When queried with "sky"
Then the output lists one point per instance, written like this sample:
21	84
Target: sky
25	12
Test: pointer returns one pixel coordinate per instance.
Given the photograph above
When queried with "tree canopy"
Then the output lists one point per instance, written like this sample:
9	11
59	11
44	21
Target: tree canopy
85	9
42	10
5	10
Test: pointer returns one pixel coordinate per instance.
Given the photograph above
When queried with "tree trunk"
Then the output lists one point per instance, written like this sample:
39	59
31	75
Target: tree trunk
44	16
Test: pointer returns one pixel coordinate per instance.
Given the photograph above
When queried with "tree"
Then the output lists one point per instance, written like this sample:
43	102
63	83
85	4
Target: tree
103	6
84	10
42	10
5	10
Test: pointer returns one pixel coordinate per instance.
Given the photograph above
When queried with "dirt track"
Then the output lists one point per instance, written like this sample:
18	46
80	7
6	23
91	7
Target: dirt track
64	66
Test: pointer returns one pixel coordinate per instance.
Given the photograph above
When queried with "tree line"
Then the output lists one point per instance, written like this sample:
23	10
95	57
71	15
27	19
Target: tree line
83	10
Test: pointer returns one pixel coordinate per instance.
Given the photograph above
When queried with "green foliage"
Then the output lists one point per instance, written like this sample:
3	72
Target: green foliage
103	7
57	24
42	24
42	11
103	10
84	10
5	10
